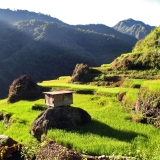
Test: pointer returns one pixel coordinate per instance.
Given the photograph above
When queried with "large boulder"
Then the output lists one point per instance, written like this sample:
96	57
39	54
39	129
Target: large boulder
23	88
59	117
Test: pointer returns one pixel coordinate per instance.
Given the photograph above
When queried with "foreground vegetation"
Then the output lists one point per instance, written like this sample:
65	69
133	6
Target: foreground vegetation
111	132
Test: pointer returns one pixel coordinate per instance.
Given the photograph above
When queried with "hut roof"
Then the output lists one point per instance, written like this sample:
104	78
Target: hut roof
58	92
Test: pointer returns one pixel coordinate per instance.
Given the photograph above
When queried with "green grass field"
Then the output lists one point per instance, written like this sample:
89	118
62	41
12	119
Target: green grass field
111	131
152	85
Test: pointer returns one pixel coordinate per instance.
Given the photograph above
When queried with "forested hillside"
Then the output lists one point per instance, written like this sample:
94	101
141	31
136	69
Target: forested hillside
103	29
44	47
46	50
134	28
15	16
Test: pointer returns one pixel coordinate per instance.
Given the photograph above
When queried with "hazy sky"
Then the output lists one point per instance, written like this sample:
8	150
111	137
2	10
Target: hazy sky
108	12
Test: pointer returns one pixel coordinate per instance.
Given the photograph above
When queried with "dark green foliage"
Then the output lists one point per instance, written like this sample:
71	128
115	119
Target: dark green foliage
14	16
46	50
103	29
11	40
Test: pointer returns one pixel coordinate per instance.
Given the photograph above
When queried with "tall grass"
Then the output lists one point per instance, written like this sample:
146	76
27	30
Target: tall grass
22	116
152	85
2	128
130	83
61	80
20	133
110	132
21	111
97	89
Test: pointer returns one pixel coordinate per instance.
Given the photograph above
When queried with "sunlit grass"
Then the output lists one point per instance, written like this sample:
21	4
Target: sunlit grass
129	83
130	98
110	132
60	80
2	128
153	85
20	111
57	83
20	133
113	91
22	116
103	67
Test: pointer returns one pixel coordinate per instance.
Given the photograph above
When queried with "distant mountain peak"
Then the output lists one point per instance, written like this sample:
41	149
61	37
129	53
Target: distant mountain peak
129	19
134	28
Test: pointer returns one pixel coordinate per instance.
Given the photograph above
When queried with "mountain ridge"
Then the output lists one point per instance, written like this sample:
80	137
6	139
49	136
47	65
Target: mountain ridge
103	29
13	16
46	50
134	28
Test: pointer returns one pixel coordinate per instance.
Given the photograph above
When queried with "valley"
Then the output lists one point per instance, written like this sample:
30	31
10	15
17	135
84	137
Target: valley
114	77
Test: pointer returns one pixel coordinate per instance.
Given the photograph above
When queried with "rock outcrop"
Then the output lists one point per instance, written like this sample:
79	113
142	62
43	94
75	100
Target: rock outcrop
135	28
59	117
23	88
120	96
148	104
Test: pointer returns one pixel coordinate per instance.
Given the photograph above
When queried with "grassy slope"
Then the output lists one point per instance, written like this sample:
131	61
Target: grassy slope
145	54
18	126
111	131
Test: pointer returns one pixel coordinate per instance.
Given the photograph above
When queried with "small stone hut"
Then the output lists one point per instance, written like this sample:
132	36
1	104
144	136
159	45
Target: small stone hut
58	98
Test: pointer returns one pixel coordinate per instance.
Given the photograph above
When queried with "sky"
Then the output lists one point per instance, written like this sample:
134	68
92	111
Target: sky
107	12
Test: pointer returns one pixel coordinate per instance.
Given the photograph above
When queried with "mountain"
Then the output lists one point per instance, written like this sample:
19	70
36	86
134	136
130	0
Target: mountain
44	47
14	16
134	28
103	29
145	54
45	50
79	42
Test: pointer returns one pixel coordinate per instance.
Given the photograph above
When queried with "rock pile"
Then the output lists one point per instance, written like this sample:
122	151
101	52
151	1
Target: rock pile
23	88
79	73
61	117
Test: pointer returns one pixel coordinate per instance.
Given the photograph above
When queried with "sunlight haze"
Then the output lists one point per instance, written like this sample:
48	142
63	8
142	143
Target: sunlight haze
108	12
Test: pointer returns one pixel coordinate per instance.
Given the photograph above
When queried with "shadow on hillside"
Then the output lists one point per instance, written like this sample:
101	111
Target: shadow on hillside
101	129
